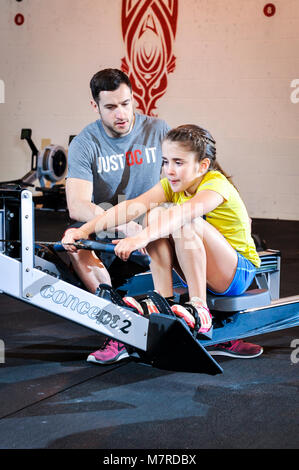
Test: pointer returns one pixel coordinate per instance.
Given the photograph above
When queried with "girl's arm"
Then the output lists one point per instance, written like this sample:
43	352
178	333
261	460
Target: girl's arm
179	215
117	215
126	211
170	221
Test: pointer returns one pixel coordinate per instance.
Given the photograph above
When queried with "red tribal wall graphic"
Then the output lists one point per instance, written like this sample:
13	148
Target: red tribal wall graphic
149	29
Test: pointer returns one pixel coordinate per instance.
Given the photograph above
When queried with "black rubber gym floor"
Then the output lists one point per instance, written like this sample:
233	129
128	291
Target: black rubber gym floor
51	398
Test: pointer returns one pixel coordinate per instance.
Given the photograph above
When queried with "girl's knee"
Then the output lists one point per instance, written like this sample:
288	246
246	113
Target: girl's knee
188	237
154	214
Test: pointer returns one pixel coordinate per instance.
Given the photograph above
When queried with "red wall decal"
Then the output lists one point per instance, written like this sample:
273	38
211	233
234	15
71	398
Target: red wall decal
149	29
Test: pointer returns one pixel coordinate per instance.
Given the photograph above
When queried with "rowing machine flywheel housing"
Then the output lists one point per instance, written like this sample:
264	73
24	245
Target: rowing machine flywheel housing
51	164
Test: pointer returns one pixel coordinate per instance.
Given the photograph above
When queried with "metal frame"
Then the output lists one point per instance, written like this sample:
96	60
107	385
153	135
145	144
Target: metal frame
36	281
22	280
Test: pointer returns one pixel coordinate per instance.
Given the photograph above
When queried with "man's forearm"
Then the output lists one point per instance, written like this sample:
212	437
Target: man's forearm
85	211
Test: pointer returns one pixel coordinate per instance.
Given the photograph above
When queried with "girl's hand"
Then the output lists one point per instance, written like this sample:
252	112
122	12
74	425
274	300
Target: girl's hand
125	246
71	235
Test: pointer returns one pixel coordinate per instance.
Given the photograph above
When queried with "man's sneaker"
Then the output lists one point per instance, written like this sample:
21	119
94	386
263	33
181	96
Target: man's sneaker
110	352
237	348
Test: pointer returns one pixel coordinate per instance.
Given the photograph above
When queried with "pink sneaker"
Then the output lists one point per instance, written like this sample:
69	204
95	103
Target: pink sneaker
110	352
145	307
192	309
203	312
237	348
183	313
131	302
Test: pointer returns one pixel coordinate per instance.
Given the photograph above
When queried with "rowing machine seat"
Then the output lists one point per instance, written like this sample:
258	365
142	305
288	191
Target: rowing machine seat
267	279
235	303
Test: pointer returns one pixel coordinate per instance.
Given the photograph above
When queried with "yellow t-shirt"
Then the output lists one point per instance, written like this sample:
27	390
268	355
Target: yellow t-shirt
230	218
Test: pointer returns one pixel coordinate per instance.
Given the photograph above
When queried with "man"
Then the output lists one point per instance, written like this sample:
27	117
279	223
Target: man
116	157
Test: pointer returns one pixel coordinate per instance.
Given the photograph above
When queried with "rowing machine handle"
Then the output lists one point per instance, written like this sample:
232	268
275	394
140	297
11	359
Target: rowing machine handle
135	256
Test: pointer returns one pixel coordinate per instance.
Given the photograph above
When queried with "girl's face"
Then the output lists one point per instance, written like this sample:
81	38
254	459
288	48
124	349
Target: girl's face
182	168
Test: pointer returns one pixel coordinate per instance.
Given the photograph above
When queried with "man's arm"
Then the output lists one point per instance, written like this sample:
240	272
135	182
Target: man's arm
78	196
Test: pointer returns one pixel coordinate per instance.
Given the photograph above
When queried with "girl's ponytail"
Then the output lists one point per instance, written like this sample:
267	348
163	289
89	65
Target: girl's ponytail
217	167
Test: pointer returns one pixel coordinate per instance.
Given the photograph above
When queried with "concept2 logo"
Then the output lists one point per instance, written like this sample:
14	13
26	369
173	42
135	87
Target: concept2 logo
295	93
2	92
101	316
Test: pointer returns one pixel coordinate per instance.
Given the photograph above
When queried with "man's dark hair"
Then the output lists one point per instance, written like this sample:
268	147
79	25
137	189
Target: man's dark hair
107	80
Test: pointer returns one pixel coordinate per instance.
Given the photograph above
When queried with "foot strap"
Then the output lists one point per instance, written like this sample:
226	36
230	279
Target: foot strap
107	292
160	302
203	314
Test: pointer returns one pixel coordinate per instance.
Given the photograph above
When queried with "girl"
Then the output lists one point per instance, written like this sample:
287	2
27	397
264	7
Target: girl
204	234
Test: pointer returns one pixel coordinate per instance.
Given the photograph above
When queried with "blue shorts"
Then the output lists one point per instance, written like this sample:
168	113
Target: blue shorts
243	277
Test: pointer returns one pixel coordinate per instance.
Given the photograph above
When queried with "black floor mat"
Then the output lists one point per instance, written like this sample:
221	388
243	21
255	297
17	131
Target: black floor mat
51	398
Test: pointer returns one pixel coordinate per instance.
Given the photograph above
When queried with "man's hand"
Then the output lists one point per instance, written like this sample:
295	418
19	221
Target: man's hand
71	235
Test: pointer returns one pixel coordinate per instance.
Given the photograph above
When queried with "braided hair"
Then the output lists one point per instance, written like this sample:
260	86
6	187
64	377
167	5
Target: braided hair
198	140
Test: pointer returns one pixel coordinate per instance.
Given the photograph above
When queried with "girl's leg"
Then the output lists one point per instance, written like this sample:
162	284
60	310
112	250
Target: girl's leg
191	258
187	251
198	252
205	257
162	258
161	265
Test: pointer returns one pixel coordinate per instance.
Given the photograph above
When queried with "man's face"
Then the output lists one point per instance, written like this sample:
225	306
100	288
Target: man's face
116	111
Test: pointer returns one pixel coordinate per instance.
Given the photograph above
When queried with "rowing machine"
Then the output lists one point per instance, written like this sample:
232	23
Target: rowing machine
49	167
35	280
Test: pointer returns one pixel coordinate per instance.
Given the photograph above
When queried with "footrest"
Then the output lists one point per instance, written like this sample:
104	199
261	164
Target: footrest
171	346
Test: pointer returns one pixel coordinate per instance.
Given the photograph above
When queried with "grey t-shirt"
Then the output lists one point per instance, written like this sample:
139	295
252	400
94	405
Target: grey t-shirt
126	166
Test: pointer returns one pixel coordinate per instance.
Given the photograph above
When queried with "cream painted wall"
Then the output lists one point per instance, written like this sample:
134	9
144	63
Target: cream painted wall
233	76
